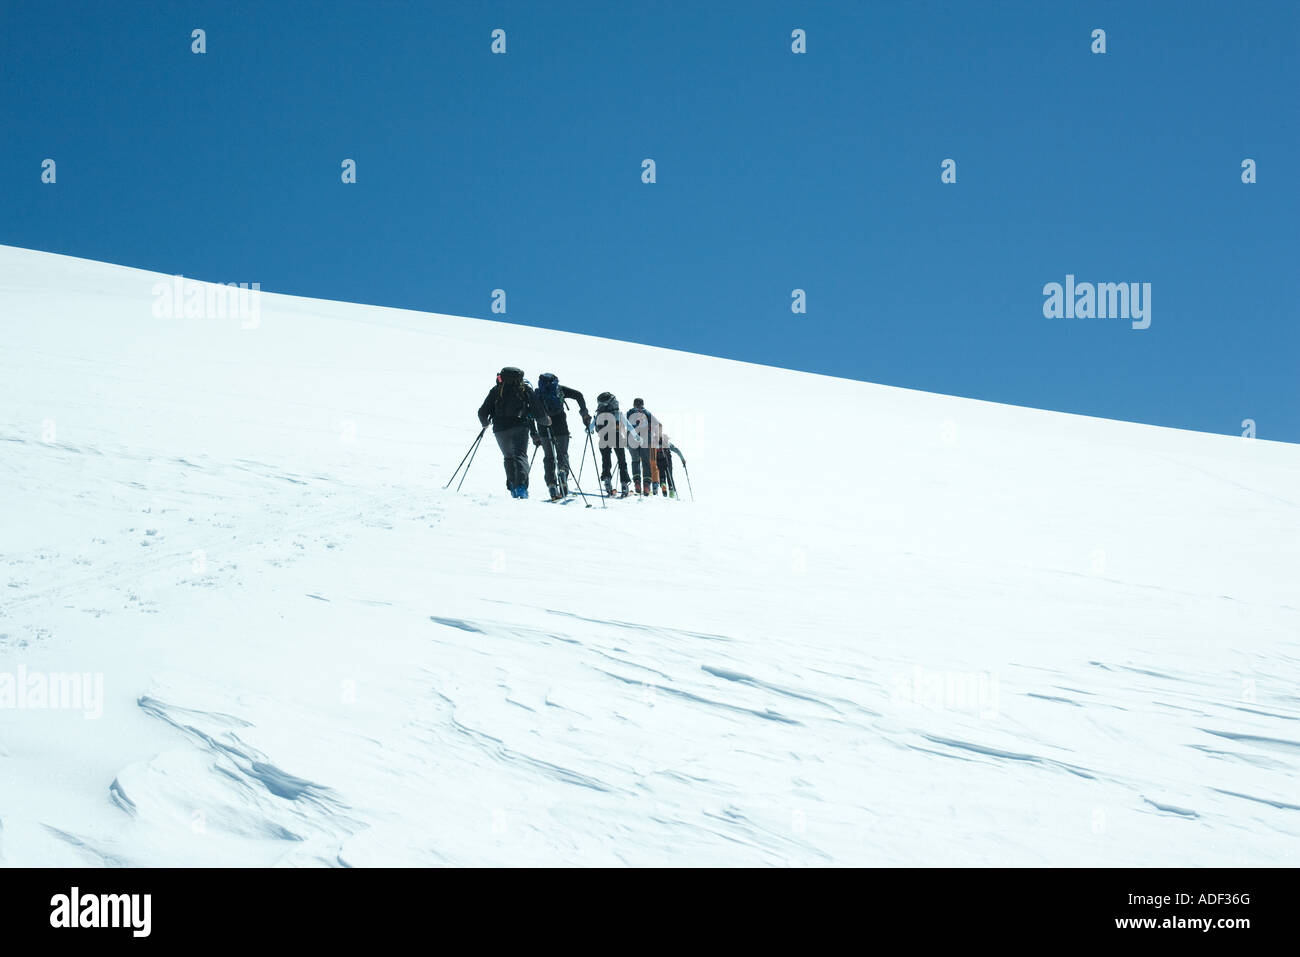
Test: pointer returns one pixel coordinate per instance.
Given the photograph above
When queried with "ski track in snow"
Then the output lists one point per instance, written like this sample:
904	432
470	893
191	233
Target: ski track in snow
314	655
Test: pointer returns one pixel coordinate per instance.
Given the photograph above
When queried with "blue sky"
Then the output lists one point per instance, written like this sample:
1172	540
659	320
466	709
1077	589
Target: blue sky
775	171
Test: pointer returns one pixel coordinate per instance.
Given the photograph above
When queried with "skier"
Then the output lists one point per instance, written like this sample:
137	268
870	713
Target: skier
612	428
644	441
556	452
664	456
516	413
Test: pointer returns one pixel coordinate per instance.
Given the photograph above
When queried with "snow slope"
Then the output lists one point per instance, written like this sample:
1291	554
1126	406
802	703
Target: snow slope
894	627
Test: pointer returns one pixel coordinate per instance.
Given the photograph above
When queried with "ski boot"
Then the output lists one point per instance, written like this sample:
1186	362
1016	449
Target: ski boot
555	493
624	491
609	488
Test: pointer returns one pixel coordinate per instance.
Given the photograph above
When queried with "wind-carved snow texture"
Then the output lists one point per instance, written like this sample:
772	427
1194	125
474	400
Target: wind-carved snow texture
945	632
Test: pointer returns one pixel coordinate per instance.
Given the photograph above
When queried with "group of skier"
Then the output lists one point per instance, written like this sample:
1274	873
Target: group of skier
518	413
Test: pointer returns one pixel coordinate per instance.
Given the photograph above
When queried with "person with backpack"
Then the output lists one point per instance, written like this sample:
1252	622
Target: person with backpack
611	426
516	413
556	452
644	440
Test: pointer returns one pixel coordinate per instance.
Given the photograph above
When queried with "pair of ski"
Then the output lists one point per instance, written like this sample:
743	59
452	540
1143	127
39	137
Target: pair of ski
574	496
564	500
569	497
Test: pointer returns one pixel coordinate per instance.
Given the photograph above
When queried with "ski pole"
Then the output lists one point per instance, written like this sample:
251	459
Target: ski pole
578	486
591	445
474	452
586	428
688	473
603	503
577	482
472	446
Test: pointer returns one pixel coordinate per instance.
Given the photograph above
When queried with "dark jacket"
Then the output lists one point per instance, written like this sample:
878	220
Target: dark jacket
509	404
648	429
560	421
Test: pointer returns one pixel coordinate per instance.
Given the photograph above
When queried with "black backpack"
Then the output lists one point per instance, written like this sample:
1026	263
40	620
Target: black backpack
512	394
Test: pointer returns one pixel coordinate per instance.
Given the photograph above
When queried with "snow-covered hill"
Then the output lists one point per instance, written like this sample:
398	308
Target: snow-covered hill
893	627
